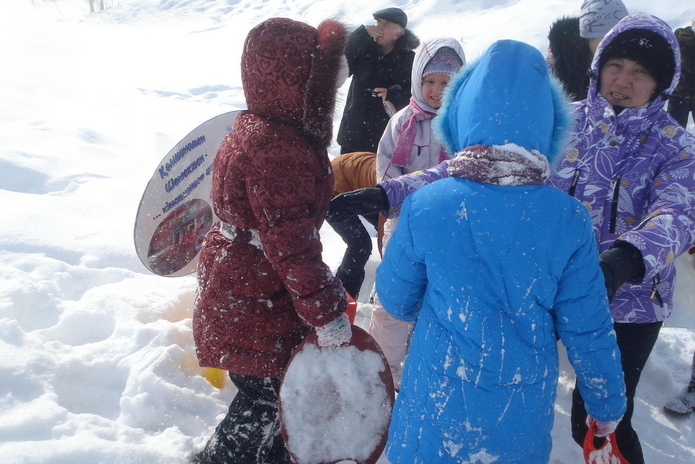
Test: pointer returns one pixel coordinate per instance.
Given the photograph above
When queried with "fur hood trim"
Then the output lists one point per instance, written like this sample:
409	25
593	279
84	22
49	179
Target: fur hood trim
323	80
561	116
650	23
290	73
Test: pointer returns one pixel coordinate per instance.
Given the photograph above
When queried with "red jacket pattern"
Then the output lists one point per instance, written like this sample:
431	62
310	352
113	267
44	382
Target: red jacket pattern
262	281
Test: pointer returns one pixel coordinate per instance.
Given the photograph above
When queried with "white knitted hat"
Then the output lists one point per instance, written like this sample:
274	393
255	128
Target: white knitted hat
597	17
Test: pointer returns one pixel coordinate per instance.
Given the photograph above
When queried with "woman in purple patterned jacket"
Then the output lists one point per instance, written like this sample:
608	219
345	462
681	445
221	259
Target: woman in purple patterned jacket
633	167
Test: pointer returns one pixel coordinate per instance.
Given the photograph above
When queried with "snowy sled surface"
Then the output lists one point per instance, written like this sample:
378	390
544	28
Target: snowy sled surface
334	403
97	363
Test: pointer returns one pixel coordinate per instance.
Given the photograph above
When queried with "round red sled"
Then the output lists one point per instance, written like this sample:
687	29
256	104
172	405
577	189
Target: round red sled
608	453
335	402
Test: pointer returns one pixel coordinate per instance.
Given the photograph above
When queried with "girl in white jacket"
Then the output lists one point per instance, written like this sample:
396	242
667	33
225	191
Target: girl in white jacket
408	143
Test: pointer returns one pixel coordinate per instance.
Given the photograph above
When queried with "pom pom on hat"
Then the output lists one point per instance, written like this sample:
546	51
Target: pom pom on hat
393	14
445	61
597	17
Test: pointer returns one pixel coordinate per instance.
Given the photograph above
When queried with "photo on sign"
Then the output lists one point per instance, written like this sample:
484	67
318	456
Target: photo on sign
177	240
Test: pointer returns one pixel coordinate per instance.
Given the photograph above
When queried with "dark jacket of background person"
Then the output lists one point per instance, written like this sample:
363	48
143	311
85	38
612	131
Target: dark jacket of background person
686	84
364	117
682	101
262	282
570	57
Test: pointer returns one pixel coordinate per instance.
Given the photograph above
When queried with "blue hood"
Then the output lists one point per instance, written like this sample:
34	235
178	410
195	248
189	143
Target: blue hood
507	96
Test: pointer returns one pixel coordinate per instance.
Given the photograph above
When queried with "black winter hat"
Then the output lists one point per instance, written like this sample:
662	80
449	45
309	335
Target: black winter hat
647	48
393	14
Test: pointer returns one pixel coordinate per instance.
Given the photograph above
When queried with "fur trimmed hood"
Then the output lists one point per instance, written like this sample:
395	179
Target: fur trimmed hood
506	96
638	21
290	73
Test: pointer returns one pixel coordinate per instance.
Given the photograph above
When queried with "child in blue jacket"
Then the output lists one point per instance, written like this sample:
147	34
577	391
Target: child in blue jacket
490	264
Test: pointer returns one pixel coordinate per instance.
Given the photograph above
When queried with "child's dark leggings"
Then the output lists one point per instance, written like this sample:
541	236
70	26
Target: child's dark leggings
635	342
359	248
250	433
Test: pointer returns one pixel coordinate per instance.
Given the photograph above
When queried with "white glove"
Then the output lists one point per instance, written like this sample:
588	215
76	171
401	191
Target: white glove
603	429
335	333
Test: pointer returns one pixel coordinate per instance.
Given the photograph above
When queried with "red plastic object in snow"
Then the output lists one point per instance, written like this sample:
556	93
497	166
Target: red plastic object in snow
351	310
606	454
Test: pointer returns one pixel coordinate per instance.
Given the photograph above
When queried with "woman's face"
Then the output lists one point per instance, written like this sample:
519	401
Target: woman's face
624	82
432	87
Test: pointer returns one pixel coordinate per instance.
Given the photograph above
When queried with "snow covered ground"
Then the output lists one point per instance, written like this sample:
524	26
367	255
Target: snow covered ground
96	354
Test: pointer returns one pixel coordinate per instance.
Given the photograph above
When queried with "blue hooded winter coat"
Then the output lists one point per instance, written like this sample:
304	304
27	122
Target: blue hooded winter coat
490	272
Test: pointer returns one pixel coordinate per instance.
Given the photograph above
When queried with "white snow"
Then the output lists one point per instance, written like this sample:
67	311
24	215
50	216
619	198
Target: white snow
96	354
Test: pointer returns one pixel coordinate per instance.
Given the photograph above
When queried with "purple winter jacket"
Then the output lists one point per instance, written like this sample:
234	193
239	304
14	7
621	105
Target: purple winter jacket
635	172
638	182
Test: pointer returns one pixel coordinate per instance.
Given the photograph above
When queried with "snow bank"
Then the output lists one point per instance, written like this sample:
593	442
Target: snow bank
97	362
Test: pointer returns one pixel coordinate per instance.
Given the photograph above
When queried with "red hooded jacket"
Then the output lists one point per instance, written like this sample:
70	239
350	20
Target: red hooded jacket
262	282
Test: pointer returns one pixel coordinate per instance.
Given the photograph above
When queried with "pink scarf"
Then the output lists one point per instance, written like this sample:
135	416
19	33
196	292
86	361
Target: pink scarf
406	136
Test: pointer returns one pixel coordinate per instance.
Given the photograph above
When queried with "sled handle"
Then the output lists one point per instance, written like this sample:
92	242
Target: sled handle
351	310
607	453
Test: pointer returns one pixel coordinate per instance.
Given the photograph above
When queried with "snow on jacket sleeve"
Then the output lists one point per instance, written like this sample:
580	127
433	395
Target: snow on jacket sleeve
401	277
585	326
399	188
282	193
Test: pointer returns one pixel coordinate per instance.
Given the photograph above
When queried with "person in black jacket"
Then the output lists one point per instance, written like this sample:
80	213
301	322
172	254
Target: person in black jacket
569	57
380	59
682	100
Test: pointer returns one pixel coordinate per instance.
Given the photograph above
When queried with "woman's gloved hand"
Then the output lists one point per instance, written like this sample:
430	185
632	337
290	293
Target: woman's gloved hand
620	264
357	203
335	333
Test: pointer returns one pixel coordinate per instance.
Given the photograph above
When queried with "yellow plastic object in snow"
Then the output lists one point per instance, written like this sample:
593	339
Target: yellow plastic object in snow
215	376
